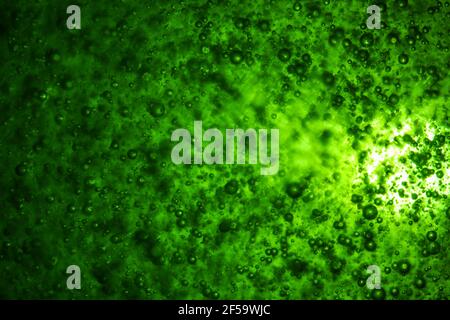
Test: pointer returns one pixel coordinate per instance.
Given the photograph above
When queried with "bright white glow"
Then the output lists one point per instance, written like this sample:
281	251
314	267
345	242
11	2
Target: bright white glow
406	128
378	157
429	131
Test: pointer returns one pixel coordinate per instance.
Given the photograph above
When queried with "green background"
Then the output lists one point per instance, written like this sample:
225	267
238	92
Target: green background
87	179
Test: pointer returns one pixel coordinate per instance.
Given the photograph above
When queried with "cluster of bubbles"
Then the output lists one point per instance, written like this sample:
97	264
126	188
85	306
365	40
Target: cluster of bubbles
87	160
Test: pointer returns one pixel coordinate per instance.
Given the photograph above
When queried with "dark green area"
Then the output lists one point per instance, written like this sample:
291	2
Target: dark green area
87	177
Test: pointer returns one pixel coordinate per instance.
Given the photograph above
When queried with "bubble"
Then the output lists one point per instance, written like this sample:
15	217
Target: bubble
156	109
393	38
203	36
242	23
192	259
370	245
328	79
124	112
264	25
284	54
432	70
368	234
179	213
295	190
404	266
306	58
140	180
432	235
378	294
393	99
370	212
297	68
236	57
181	222
336	36
21	169
297	267
346	43
395	292
318	215
419	282
339	225
402	3
297	6
337	100
366	40
337	265
132	154
363	55
403	58
434	247
356	198
231	187
226	226
326	136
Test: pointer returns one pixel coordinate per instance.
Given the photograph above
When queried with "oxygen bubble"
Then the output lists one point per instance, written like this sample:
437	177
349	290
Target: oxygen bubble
366	40
339	225
393	38
370	245
306	58
231	187
403	58
328	79
236	57
288	217
192	259
395	292
393	99
284	54
132	154
295	190
370	212
356	198
402	3
156	109
21	169
242	23
264	25
337	100
404	267
434	247
419	283
432	235
181	222
179	213
378	294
